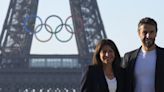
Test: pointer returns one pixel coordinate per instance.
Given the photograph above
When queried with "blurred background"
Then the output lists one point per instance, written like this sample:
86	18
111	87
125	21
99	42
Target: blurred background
46	44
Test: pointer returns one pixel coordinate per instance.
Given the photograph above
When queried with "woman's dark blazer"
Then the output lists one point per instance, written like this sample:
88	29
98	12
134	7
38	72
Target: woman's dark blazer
128	64
94	80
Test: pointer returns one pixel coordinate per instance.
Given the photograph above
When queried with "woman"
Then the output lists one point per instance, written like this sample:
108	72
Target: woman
104	75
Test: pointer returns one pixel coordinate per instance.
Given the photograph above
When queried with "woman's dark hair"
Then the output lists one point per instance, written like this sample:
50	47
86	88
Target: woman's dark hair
96	55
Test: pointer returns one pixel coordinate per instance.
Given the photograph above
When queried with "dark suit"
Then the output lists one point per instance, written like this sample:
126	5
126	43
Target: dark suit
128	64
94	80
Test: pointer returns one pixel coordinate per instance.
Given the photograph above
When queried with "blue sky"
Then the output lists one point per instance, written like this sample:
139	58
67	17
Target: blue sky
120	19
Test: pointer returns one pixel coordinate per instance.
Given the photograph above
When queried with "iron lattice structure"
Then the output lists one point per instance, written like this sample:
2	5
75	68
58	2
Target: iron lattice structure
22	72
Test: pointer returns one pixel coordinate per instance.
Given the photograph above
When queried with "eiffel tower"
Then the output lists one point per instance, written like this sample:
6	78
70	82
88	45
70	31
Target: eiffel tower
19	71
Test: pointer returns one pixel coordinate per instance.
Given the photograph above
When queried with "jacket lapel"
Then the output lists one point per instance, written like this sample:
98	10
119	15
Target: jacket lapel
133	59
132	62
158	69
102	81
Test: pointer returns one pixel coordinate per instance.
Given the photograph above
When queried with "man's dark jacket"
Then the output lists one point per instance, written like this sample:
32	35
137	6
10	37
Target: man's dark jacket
128	64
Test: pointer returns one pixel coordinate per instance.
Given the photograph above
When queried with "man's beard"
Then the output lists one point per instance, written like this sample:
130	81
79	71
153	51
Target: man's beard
148	42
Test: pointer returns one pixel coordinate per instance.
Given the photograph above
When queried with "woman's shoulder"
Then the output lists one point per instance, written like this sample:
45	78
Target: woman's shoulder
94	67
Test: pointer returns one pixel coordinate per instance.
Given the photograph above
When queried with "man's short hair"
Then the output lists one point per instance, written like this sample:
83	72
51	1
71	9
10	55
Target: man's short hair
147	20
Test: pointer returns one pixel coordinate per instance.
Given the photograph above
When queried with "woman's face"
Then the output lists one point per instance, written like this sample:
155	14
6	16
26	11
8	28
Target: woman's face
107	54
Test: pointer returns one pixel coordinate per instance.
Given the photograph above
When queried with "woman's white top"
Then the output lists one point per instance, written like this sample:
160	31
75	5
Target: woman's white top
112	84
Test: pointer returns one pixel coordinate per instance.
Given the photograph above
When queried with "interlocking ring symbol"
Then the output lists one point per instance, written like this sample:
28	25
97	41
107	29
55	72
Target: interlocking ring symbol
50	29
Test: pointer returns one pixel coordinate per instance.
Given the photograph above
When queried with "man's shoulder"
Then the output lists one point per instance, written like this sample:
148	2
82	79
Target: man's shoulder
128	56
131	52
160	51
160	48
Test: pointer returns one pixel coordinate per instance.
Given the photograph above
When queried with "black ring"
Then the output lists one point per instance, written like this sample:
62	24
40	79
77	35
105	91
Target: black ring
60	30
56	17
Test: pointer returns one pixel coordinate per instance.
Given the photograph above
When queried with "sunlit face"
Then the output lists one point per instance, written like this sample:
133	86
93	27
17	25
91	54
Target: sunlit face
147	34
107	54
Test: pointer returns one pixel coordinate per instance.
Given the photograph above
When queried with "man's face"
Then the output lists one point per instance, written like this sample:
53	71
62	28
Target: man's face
147	34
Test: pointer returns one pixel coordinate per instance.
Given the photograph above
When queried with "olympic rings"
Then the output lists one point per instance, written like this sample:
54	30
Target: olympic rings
49	28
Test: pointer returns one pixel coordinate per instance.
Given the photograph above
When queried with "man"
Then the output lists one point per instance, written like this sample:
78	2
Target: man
144	67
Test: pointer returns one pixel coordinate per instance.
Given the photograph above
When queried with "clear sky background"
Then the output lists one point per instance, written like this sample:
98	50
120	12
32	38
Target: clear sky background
120	19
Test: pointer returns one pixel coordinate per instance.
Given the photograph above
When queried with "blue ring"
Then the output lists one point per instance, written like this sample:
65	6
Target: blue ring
25	26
